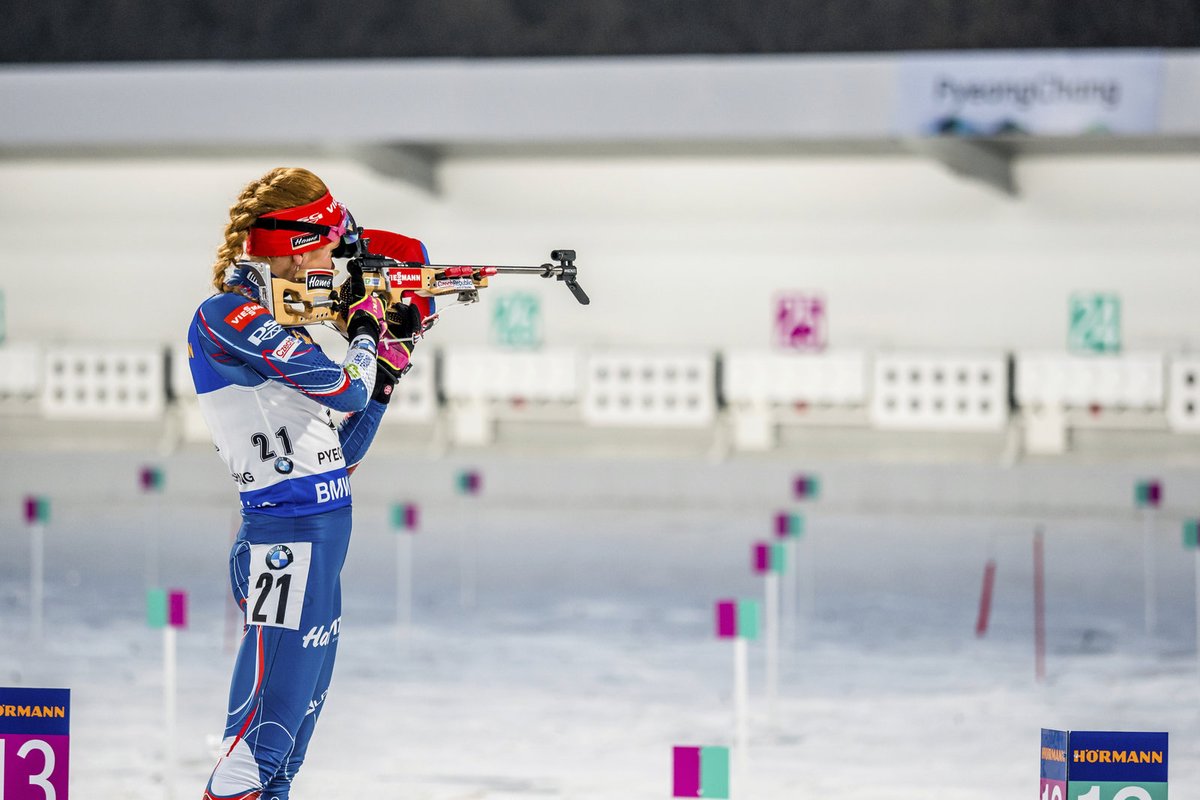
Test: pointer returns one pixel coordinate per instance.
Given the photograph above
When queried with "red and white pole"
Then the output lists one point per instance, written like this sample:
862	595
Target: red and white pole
1039	603
985	598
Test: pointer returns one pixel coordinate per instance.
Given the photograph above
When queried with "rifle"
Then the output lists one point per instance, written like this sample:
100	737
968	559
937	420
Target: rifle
396	280
403	281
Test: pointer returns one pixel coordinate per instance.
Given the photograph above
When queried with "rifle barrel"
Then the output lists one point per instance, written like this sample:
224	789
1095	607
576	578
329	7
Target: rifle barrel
546	270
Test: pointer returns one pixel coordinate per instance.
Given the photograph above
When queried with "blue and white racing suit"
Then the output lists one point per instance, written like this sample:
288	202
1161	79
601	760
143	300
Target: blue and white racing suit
266	393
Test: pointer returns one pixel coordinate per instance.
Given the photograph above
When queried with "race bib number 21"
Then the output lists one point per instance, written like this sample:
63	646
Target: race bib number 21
278	579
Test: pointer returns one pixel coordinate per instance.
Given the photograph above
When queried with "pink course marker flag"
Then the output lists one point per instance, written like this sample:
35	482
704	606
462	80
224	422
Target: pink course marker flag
469	481
405	516
37	509
151	479
788	526
737	619
800	322
769	557
166	608
701	772
806	487
177	609
1148	494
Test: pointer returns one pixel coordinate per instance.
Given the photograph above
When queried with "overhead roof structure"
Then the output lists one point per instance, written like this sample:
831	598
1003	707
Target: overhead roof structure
402	116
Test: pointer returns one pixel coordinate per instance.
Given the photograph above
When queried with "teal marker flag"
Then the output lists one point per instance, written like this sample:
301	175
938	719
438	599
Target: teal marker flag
1191	533
770	557
737	619
156	608
165	608
152	479
404	517
37	509
469	482
1148	494
788	526
701	772
806	487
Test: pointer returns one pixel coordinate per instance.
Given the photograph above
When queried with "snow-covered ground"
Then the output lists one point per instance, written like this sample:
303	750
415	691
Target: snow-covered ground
590	651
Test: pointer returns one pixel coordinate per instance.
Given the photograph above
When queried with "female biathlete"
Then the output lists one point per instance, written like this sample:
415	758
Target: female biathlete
266	392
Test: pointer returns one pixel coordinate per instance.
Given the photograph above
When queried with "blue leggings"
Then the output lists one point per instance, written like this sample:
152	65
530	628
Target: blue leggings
286	657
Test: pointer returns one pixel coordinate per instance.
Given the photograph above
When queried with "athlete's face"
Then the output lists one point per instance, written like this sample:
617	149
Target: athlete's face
292	268
321	258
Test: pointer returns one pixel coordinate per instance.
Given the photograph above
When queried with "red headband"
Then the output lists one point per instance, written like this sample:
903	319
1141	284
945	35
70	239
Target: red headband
313	225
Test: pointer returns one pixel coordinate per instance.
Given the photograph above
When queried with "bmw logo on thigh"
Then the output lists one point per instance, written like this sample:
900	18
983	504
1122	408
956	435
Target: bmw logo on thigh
283	465
279	556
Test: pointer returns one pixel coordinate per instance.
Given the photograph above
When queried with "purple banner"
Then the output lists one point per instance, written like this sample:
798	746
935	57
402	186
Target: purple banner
687	772
726	619
762	558
177	609
34	742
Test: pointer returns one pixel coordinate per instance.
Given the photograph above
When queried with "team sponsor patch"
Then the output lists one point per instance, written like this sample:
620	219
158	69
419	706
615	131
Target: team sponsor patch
319	279
279	557
241	316
268	330
304	239
286	348
360	361
404	278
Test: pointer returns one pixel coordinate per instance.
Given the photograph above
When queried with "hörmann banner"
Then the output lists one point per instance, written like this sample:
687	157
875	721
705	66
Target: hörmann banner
1105	765
34	742
1045	93
1054	765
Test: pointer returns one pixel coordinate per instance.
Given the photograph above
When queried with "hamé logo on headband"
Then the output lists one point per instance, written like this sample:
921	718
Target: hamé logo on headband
304	239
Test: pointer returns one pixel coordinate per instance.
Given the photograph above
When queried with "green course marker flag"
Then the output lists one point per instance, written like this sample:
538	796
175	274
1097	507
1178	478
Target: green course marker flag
156	608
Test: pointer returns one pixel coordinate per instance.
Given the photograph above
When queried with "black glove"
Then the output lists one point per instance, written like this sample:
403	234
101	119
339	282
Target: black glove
396	343
364	314
404	322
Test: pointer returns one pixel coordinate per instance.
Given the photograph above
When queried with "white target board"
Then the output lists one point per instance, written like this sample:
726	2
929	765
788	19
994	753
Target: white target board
668	390
928	391
414	398
1183	394
1130	382
20	377
90	382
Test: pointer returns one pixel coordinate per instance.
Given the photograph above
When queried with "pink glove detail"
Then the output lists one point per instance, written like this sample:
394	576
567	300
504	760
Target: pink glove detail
370	307
393	354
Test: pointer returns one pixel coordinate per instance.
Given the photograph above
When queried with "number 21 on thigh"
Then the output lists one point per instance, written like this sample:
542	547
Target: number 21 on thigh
278	581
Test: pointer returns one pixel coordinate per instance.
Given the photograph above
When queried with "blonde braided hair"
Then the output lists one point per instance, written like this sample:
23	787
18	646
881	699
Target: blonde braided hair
282	187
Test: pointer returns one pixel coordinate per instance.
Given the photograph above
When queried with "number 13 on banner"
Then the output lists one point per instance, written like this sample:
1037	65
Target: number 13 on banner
1116	792
34	743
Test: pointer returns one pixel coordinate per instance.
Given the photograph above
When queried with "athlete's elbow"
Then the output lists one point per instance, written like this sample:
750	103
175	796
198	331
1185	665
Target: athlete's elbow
350	401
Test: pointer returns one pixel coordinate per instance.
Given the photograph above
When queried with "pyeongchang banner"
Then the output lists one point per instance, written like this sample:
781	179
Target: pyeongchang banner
1043	93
